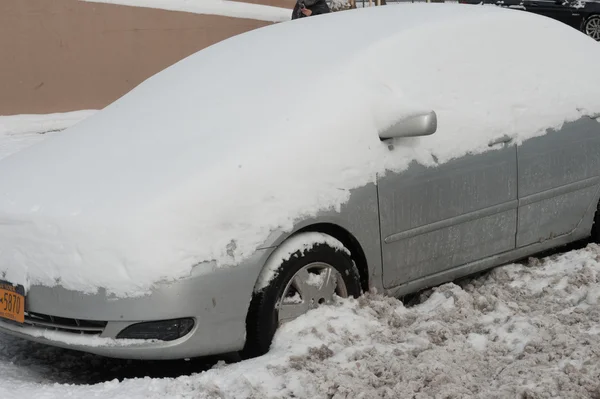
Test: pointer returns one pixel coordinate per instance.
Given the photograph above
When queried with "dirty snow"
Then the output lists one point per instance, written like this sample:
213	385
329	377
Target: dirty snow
205	160
225	8
487	337
20	131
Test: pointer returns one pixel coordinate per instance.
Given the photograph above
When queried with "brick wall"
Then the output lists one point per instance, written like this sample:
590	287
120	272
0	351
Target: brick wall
63	55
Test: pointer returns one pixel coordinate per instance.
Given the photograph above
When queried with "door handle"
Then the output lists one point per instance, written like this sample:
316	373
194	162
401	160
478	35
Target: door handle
500	140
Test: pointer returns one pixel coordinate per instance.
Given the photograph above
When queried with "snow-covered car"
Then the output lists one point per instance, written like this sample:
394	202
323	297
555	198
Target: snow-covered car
267	174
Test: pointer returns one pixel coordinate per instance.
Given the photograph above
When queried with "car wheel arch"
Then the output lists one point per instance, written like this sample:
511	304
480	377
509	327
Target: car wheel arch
349	241
345	237
304	248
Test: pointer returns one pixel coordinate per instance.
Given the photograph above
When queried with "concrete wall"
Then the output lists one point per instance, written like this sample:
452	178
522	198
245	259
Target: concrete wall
63	55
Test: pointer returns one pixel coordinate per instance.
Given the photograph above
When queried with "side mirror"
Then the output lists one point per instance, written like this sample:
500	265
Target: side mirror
412	126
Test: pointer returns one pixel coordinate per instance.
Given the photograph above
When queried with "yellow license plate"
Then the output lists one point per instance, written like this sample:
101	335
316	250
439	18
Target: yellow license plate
12	302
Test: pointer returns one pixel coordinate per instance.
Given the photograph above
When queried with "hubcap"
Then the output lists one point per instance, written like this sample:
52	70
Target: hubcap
592	28
313	285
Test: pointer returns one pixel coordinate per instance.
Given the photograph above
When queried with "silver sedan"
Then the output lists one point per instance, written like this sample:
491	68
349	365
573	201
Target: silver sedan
407	230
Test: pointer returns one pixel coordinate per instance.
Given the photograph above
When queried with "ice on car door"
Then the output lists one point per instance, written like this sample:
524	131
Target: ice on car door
434	219
558	181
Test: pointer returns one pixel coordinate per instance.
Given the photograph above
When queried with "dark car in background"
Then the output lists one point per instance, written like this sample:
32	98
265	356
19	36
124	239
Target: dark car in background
581	15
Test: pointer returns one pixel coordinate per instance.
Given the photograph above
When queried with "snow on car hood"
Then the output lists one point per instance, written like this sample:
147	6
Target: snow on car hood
201	162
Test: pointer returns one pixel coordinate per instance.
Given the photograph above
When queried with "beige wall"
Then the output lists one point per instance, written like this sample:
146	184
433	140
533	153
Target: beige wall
63	55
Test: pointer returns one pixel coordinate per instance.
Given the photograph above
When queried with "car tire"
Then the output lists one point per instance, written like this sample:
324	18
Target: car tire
595	233
265	311
591	27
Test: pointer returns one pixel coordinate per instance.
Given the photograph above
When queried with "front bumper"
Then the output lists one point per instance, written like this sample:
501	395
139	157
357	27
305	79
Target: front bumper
217	298
189	346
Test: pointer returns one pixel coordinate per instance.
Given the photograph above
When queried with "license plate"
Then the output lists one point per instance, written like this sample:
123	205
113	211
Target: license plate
12	302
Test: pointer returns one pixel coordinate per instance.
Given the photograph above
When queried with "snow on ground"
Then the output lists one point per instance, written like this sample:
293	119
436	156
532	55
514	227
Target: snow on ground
20	131
225	8
521	331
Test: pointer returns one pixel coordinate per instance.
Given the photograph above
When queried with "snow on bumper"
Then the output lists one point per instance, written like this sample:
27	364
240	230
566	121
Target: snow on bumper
216	298
118	348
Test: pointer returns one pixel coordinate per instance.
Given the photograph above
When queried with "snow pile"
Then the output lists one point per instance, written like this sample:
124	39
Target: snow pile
203	161
224	8
528	331
20	131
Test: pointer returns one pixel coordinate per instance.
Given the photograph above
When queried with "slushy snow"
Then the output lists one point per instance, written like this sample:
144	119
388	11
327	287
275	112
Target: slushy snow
494	336
226	8
204	161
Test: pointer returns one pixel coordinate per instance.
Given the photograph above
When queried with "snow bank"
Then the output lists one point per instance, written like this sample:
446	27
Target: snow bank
204	160
225	8
20	131
495	336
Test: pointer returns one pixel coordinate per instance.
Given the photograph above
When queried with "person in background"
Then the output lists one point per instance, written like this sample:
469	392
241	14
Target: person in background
307	8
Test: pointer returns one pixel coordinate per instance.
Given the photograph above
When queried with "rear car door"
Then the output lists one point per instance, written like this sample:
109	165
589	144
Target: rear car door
559	176
436	218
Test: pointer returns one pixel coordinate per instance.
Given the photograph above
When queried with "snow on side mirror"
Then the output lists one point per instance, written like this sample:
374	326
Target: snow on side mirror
412	126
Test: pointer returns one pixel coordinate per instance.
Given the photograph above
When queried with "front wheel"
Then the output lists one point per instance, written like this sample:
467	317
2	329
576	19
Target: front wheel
304	281
592	27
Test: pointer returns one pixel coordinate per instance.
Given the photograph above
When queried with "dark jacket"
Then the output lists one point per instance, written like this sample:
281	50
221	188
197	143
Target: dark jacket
319	7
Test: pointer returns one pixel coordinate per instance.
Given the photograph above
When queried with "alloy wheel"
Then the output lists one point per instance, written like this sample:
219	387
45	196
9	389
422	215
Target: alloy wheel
313	285
592	28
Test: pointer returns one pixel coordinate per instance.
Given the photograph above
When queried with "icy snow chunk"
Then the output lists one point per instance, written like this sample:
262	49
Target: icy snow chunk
315	279
592	296
292	299
594	330
477	341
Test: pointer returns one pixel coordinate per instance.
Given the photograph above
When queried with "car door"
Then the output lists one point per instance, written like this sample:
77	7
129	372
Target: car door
436	218
559	10
558	181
